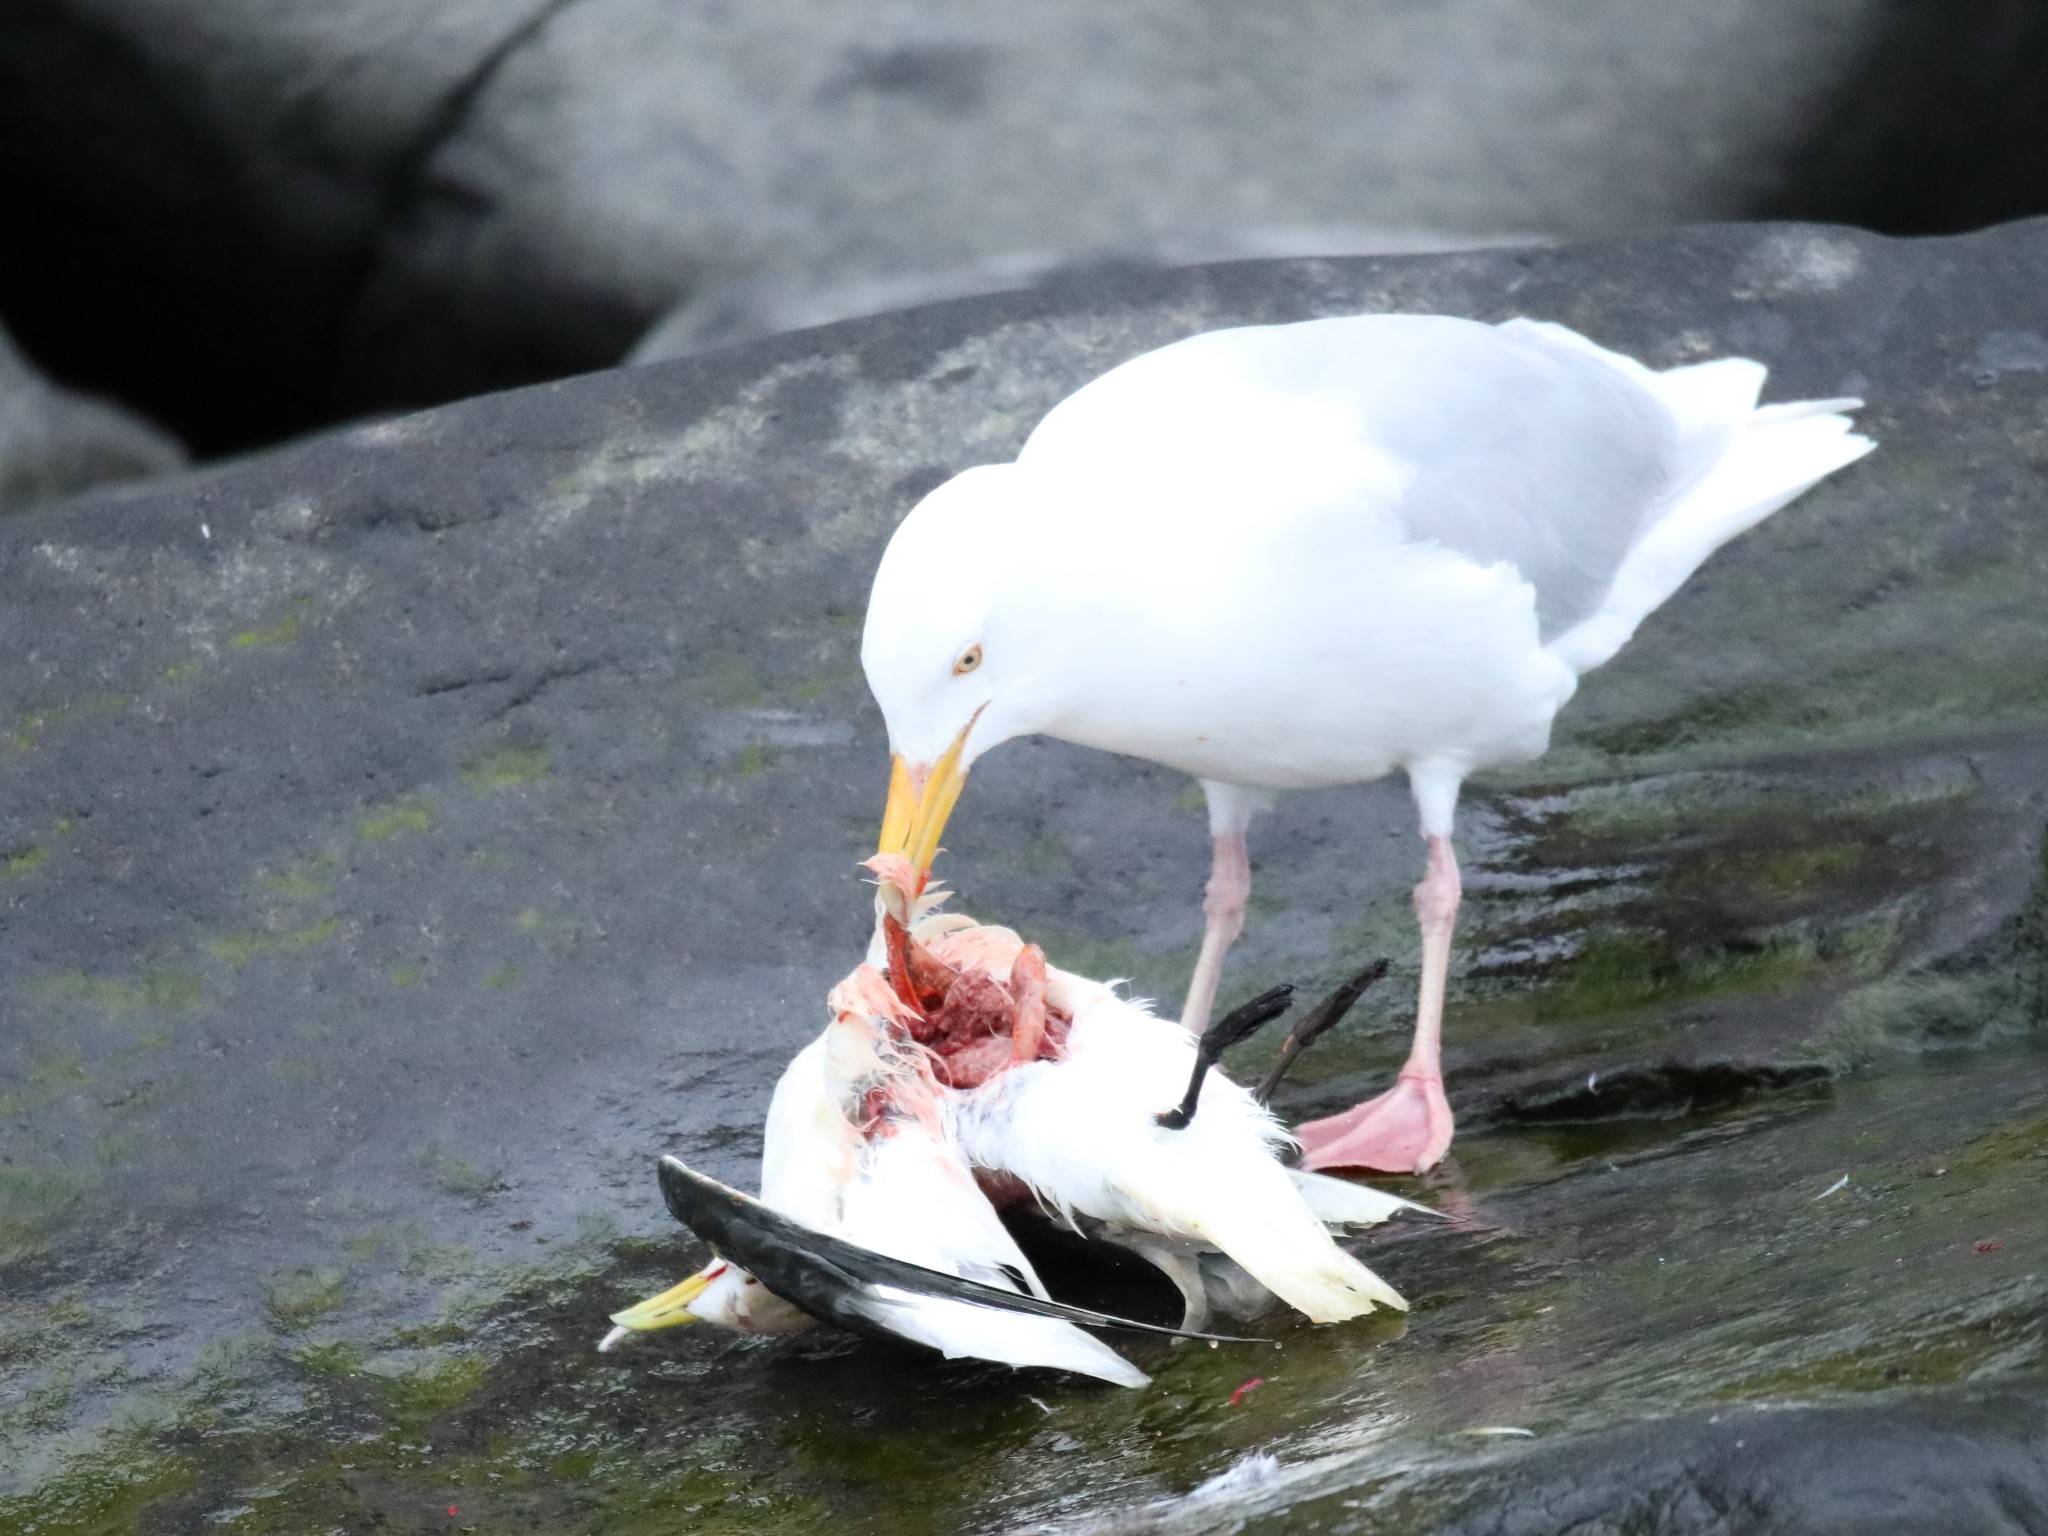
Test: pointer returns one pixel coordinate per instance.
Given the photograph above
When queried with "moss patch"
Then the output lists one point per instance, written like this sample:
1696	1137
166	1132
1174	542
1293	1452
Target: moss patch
238	949
117	1149
1616	972
442	1382
51	1079
302	880
111	1492
29	728
282	632
301	1297
461	1178
507	768
23	861
731	681
412	813
34	1204
164	991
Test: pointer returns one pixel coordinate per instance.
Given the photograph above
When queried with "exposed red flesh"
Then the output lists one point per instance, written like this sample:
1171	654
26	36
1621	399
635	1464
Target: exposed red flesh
975	1007
918	976
973	1025
973	1064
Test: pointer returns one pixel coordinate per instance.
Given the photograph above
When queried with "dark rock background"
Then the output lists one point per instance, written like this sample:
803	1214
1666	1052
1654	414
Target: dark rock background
410	833
248	218
55	441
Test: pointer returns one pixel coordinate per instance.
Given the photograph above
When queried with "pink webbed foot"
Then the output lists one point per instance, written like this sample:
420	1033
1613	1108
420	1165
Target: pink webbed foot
1407	1129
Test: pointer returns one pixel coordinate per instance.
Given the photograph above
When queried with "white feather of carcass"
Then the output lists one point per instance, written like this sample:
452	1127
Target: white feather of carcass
1080	1131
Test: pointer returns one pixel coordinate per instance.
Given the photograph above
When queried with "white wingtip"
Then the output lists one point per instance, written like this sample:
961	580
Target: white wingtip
1341	1203
960	1328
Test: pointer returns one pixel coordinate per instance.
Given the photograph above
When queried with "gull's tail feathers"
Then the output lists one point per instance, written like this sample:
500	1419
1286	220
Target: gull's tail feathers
1772	455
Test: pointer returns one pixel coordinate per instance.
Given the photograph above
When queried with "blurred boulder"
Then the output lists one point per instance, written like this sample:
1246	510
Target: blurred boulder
251	217
411	832
54	442
743	309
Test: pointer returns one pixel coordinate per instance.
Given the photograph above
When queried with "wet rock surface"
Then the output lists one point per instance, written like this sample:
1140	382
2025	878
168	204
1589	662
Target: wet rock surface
410	834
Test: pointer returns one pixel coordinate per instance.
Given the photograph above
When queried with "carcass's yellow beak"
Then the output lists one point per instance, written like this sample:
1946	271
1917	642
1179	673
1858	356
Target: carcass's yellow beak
920	800
671	1308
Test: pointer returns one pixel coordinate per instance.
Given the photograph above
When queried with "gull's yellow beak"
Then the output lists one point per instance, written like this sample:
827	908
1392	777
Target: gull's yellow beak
671	1308
920	800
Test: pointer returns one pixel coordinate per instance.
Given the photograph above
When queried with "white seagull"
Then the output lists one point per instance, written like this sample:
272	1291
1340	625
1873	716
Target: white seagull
1287	556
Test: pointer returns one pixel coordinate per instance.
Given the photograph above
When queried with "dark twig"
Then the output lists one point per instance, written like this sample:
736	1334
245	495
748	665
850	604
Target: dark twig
1318	1021
1220	1037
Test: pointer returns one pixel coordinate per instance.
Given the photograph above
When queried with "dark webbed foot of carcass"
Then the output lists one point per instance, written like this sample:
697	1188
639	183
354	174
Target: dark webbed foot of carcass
1317	1022
1219	1037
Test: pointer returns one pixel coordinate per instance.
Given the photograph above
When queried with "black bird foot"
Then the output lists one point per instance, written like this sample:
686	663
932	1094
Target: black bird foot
1317	1022
1219	1037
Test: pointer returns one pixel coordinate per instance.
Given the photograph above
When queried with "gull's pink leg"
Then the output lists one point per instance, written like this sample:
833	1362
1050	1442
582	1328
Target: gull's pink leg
1407	1128
1230	885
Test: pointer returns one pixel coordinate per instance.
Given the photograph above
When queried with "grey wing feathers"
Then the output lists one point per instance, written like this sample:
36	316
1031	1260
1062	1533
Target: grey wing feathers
1523	443
1541	455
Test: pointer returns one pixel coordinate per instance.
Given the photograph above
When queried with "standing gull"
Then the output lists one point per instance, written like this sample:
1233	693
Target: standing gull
1287	556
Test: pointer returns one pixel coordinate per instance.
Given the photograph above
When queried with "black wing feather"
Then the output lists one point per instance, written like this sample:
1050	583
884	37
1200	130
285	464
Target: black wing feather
822	1274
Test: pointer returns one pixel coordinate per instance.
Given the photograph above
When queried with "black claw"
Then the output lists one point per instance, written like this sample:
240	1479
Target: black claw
1318	1021
1220	1037
827	1276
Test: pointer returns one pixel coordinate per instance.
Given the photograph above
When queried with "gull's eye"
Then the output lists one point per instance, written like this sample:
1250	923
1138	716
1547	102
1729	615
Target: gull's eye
969	660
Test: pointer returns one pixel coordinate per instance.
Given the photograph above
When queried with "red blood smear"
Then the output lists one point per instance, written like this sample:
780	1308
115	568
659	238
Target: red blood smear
873	1105
1002	1189
1989	1247
1246	1390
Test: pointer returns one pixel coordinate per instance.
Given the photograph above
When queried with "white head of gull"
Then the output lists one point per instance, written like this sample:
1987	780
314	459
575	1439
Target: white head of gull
1287	556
